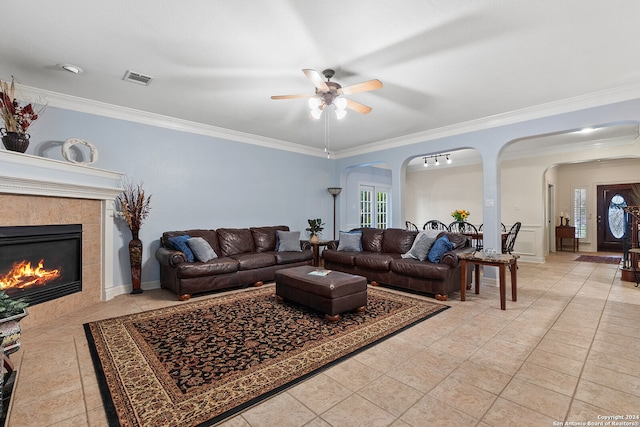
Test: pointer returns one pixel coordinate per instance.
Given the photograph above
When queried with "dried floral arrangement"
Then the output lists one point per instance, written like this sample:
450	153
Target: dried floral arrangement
133	205
16	118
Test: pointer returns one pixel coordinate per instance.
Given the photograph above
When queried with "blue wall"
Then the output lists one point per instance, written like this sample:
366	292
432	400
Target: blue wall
195	181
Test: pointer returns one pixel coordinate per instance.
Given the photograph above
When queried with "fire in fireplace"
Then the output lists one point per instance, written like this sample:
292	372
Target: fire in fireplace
41	263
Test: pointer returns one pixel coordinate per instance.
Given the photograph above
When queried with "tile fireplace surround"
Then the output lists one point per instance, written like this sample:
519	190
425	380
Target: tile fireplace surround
39	191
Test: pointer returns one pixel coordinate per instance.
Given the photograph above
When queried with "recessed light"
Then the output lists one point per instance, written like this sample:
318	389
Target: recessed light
71	68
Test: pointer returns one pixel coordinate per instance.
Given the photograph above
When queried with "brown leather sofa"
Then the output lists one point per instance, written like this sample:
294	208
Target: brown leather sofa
380	262
244	256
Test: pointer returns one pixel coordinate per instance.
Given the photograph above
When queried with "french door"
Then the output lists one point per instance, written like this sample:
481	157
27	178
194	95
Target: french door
611	223
375	205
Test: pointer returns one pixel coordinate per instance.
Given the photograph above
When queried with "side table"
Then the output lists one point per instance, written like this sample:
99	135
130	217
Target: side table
566	232
501	261
316	250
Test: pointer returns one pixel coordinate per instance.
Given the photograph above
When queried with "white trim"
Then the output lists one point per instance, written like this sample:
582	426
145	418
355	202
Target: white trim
610	96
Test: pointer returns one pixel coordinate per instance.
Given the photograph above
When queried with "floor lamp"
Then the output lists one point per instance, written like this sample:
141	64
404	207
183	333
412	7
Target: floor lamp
334	192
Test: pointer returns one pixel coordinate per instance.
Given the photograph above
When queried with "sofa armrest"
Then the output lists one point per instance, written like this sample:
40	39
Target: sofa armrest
333	245
305	245
451	258
170	257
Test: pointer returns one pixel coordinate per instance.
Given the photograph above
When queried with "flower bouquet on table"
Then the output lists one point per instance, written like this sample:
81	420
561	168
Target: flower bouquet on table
460	215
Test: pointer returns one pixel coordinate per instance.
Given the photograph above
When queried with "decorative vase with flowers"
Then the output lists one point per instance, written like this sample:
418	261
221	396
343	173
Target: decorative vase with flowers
134	206
17	119
460	215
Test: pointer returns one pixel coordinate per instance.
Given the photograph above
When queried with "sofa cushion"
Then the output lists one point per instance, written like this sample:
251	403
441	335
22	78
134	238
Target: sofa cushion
179	243
438	249
374	261
264	238
372	239
255	260
209	268
292	257
288	241
398	240
350	241
422	244
340	257
420	269
235	241
201	249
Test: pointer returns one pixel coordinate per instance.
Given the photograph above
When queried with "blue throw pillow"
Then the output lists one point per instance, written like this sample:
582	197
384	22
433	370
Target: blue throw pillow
439	248
350	241
179	243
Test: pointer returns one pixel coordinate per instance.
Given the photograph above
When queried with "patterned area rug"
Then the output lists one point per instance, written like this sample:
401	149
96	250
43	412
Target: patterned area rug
195	364
599	259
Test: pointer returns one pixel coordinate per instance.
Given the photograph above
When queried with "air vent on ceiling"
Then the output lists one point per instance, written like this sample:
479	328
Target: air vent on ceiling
133	77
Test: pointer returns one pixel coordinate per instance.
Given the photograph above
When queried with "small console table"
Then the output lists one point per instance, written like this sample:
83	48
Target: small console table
566	232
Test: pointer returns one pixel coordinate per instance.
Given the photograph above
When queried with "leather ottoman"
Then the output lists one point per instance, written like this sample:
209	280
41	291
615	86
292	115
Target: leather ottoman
332	294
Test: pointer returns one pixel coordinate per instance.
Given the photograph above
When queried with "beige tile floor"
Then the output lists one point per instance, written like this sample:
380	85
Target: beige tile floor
567	350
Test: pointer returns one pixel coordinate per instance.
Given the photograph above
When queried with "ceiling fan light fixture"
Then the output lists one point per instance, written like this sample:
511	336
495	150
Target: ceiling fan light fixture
340	114
316	113
340	103
314	102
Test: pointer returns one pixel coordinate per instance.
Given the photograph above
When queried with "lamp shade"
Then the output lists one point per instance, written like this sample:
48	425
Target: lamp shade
334	190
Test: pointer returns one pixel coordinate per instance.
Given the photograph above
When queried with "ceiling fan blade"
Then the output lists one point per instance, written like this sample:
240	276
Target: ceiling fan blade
316	79
356	106
291	96
360	87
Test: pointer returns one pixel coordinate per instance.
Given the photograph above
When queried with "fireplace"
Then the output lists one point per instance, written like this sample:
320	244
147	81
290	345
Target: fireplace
41	263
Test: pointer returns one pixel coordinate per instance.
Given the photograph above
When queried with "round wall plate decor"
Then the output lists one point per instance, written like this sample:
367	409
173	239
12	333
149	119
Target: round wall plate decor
66	147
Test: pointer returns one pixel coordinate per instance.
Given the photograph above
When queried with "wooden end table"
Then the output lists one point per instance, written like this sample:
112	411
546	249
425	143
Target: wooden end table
501	261
316	250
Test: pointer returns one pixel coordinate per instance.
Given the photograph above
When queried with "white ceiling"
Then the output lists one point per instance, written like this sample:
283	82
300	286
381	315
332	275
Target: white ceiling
217	62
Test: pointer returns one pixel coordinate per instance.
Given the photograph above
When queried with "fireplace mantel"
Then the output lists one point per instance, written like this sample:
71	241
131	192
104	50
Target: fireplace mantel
33	175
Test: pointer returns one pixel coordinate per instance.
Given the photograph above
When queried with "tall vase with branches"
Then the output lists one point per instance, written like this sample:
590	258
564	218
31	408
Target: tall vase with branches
134	206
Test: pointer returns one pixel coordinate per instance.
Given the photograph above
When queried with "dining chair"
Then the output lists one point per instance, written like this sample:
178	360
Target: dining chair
502	226
408	225
434	224
510	241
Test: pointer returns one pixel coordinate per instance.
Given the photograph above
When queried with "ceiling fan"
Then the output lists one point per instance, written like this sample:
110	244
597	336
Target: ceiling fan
328	93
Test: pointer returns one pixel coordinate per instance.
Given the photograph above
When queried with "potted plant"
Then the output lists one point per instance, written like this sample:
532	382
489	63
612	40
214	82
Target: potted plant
315	228
11	312
17	119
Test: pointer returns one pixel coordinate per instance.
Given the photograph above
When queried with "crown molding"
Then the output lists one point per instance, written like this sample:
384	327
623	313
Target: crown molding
83	105
568	105
610	96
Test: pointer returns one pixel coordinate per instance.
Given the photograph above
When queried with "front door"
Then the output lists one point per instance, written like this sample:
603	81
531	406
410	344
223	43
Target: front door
611	219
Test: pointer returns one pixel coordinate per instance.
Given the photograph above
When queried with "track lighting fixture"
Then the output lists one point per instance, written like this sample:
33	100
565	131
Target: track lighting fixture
447	157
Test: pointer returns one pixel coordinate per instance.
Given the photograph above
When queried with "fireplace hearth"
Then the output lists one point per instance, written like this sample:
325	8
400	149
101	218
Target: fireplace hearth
42	262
